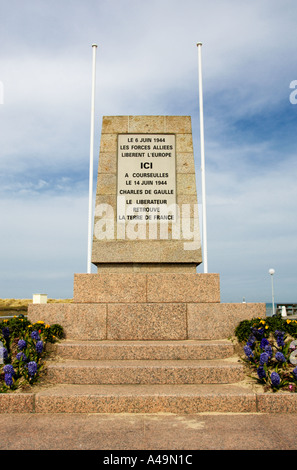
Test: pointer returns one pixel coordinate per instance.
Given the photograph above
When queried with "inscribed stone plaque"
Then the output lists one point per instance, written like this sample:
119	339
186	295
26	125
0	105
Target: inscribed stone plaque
146	177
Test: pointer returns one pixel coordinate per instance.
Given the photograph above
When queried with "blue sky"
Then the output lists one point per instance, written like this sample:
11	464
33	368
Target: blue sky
147	64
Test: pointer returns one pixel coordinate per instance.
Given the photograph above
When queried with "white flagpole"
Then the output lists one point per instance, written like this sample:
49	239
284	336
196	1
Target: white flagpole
205	261
94	46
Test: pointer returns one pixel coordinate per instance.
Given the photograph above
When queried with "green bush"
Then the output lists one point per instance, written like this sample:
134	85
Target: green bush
269	324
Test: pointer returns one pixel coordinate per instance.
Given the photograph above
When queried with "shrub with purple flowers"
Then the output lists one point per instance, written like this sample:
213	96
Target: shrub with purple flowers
23	351
268	352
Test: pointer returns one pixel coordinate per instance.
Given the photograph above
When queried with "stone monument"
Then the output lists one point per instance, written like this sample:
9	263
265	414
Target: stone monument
142	333
146	244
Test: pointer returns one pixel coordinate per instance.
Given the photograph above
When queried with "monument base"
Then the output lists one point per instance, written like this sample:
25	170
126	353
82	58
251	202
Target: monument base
146	306
147	343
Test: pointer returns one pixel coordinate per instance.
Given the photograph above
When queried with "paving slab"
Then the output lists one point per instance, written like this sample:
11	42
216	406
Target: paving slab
143	432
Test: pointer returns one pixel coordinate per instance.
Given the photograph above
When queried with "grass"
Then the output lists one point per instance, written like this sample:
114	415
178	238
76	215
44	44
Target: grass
18	306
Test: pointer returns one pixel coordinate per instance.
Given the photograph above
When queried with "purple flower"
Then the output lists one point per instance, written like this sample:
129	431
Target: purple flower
258	333
21	356
279	338
264	343
268	350
261	373
251	340
5	332
295	373
280	357
22	344
39	347
275	379
32	368
8	380
280	341
264	358
35	335
8	369
248	352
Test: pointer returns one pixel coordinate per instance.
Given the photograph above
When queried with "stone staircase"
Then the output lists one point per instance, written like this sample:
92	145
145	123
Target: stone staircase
143	377
143	363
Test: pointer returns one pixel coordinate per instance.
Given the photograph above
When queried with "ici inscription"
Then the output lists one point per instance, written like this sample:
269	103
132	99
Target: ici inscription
146	182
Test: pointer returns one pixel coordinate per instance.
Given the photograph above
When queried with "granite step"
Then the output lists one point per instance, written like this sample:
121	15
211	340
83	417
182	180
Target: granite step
178	399
144	372
145	399
143	350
